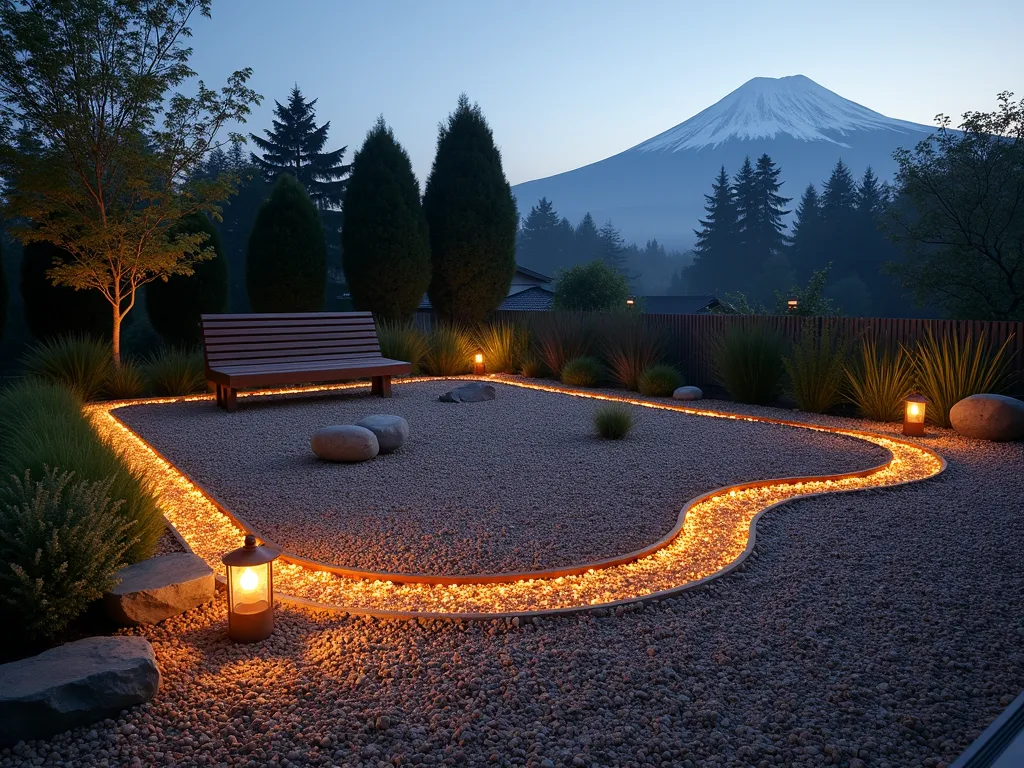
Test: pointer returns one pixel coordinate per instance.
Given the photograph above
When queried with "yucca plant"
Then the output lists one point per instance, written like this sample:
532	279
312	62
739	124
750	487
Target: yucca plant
450	351
613	422
582	372
125	382
173	371
748	360
948	370
816	368
79	362
503	345
629	347
402	341
561	337
879	380
659	381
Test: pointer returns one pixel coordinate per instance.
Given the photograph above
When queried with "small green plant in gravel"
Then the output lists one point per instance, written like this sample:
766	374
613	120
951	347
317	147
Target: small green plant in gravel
816	368
613	422
582	372
878	380
402	341
79	362
172	371
749	363
659	381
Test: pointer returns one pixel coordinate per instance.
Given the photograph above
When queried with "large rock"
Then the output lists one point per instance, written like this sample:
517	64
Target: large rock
345	443
989	417
469	393
391	431
75	684
688	393
159	588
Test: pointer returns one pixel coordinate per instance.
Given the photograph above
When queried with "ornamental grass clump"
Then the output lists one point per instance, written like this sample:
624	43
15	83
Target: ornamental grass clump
62	541
948	370
532	366
582	372
76	361
503	345
629	347
660	381
816	368
402	341
878	381
613	422
450	351
561	337
172	371
749	363
125	382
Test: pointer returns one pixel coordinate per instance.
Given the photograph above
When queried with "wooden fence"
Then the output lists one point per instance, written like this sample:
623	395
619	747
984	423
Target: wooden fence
691	338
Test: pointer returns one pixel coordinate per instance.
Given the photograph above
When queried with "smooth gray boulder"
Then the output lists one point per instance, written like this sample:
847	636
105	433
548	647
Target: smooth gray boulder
391	431
346	442
159	588
469	393
688	393
989	417
75	684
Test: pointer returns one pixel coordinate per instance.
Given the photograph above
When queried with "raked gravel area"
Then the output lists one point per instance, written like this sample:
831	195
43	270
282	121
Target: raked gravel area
879	628
515	484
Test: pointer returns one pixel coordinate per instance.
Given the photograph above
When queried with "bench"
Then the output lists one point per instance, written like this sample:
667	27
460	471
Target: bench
261	350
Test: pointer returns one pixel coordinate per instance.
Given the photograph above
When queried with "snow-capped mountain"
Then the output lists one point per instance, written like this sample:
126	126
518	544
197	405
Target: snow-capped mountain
656	189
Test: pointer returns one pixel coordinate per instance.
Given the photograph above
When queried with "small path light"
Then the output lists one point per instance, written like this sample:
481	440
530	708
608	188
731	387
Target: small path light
630	302
913	415
478	363
250	591
791	305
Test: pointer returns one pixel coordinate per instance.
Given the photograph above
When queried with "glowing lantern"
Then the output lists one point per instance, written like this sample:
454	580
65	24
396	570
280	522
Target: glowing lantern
250	591
478	363
630	301
913	415
791	305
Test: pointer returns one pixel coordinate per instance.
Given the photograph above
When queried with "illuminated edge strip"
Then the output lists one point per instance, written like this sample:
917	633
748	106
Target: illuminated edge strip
180	498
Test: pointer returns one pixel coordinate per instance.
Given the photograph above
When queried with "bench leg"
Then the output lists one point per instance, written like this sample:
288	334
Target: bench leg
230	403
220	396
380	385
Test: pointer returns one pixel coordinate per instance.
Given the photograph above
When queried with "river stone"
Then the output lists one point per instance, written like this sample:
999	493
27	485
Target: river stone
469	393
159	588
688	393
391	431
345	443
989	417
75	684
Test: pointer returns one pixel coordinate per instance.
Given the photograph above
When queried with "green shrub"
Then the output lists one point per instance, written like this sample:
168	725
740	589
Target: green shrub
61	544
879	380
42	425
449	351
948	370
79	362
402	341
816	371
591	287
125	382
560	337
629	347
613	422
749	363
172	371
660	381
503	345
582	372
532	366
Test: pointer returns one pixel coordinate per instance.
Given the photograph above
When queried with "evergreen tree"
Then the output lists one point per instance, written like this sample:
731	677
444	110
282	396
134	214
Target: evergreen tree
295	145
286	269
765	236
586	241
871	197
472	219
175	304
613	249
545	241
716	240
384	240
839	220
52	310
745	193
592	287
873	250
808	245
3	294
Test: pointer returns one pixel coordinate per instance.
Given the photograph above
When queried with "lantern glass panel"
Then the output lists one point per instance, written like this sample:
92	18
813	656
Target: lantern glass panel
250	588
915	412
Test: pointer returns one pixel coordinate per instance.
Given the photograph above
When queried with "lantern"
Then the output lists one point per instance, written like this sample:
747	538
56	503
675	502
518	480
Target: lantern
791	305
913	415
250	591
478	363
630	301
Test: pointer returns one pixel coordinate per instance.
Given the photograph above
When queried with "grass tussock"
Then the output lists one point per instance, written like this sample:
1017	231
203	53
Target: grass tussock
402	341
878	380
503	345
450	350
630	347
561	337
583	372
613	422
125	382
660	381
816	367
79	362
749	363
172	371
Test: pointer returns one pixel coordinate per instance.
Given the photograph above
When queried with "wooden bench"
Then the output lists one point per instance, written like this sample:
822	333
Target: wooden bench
262	350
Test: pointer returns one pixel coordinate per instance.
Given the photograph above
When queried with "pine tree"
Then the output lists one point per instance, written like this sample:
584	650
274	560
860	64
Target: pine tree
586	241
472	219
716	239
839	197
839	220
384	239
295	145
545	241
286	269
873	250
613	249
767	238
808	240
745	195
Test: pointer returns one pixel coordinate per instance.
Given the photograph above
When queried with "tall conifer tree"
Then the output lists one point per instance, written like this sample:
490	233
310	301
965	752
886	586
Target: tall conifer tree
766	236
716	239
545	241
808	236
613	249
586	241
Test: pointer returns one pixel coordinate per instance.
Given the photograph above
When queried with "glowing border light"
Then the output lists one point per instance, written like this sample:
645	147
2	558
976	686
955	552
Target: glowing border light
714	534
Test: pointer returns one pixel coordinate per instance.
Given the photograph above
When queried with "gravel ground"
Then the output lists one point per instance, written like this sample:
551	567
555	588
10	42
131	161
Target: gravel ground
519	483
168	543
872	629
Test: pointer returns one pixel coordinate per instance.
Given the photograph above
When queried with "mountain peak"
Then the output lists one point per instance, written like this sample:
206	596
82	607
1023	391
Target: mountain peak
766	107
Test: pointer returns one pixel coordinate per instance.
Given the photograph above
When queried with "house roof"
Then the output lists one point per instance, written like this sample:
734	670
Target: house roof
425	301
535	299
530	273
679	305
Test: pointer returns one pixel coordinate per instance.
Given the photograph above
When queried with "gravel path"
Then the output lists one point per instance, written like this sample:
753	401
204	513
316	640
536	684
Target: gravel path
873	629
519	483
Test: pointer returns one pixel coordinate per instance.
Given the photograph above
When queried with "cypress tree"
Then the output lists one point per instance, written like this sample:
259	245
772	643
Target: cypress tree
808	235
52	310
174	305
716	239
286	268
384	241
472	219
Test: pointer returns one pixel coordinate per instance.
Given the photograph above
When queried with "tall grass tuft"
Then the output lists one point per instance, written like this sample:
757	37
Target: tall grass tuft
660	381
816	368
748	360
503	345
948	370
76	361
879	380
613	422
582	372
173	371
42	425
402	341
449	351
125	382
629	347
561	337
532	366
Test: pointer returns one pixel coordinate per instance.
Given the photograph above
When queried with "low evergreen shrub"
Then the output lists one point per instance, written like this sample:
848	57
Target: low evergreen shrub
582	372
659	381
76	361
748	360
613	422
172	371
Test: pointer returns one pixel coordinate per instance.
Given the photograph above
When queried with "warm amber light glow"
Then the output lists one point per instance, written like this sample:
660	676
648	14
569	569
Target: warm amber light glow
913	410
479	358
248	581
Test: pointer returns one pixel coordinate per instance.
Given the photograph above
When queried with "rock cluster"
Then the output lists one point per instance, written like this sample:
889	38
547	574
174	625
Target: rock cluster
391	431
345	442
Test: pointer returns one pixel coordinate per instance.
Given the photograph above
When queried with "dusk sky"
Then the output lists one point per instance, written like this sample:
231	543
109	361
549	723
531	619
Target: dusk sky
570	82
